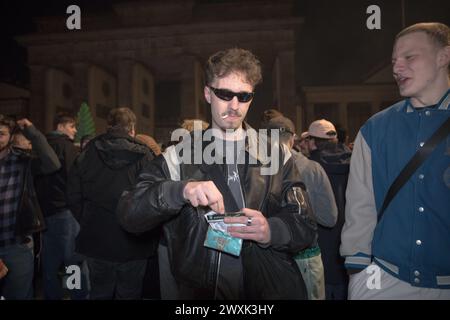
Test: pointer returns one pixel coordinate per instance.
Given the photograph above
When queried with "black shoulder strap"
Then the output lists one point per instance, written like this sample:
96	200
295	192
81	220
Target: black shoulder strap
415	162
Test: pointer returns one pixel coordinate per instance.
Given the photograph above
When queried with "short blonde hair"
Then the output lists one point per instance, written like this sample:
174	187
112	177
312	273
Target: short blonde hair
438	32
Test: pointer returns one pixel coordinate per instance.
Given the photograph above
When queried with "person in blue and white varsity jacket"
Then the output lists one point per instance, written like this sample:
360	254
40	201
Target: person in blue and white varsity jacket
409	248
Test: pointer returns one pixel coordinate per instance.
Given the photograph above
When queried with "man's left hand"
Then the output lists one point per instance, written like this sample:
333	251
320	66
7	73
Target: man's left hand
256	226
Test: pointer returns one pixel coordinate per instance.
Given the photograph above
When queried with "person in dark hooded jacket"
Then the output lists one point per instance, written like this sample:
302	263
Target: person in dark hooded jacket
334	157
58	239
109	164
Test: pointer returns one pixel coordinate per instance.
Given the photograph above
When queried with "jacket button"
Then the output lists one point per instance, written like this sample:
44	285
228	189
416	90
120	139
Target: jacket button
427	113
418	242
421	144
416	273
421	176
416	280
421	209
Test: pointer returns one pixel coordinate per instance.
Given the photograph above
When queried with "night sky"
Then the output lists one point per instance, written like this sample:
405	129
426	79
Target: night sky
334	47
18	18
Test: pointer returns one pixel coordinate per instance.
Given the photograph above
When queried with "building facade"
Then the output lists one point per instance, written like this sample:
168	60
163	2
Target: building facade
149	56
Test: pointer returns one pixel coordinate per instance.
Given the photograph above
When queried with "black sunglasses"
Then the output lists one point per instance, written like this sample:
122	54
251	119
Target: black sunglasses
228	95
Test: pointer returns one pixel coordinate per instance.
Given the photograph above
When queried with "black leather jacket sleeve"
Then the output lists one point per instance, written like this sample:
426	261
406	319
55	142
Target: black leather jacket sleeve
153	200
294	227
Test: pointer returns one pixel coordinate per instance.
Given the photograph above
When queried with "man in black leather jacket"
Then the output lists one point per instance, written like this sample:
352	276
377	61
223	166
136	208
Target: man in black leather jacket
177	190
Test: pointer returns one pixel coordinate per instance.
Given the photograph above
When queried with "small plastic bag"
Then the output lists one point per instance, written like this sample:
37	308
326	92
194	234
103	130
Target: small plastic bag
217	237
222	241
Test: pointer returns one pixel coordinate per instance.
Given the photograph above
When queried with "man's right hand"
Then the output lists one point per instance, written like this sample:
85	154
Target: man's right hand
204	193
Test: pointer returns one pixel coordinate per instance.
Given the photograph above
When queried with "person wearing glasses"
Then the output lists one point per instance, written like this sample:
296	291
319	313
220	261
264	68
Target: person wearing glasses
274	222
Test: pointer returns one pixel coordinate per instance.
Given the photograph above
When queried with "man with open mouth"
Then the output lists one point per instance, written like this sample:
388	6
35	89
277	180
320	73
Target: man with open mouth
397	213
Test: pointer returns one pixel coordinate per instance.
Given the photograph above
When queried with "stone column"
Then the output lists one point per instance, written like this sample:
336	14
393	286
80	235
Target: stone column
37	108
188	95
309	114
124	82
81	86
142	91
343	116
285	83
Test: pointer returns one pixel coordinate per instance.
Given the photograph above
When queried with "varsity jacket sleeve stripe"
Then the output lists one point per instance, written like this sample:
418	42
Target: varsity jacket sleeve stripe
360	210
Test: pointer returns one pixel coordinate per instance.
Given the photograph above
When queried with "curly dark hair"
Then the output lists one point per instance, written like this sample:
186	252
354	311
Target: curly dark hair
224	62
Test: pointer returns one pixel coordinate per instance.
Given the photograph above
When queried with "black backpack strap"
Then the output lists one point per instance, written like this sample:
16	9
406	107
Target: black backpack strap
419	157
